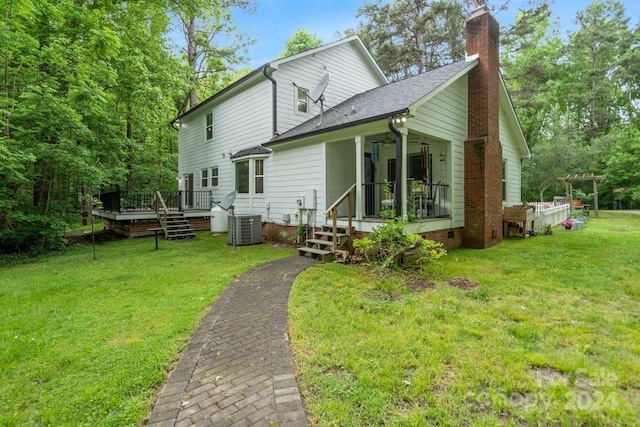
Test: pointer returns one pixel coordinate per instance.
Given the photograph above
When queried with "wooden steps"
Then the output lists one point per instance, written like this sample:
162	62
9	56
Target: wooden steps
321	245
176	226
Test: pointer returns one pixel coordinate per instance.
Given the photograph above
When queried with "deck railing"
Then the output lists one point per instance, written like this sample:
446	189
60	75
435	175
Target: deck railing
552	215
143	201
424	200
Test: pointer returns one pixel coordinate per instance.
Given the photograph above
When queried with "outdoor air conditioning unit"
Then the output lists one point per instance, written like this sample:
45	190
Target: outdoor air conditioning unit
245	230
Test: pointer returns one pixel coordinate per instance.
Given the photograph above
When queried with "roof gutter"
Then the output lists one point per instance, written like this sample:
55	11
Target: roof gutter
336	127
274	100
398	189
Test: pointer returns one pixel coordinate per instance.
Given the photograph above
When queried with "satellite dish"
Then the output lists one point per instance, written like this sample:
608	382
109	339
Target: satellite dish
227	201
316	94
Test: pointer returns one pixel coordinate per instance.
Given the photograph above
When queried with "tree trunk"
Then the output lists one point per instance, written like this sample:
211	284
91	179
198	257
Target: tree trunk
129	143
5	80
192	55
592	103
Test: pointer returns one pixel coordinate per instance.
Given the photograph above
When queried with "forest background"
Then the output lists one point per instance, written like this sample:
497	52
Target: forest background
90	87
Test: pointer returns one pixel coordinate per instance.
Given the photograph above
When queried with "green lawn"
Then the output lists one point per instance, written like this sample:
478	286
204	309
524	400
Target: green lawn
87	342
550	336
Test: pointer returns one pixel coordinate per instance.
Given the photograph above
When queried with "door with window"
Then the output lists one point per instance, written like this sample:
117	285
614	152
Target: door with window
188	191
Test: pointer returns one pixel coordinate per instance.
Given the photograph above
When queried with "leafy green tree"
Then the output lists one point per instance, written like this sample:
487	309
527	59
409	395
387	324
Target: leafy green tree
88	92
627	77
595	53
532	69
300	41
213	44
413	36
623	174
550	159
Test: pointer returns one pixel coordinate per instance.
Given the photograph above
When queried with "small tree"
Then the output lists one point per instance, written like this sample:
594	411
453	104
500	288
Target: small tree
300	41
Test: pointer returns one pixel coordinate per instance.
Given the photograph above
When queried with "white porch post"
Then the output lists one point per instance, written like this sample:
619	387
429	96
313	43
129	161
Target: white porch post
403	178
359	173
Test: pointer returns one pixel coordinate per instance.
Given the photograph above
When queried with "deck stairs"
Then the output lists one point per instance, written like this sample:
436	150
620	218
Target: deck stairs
176	226
321	246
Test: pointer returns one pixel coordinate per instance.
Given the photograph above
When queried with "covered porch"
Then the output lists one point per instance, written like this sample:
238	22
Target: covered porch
406	176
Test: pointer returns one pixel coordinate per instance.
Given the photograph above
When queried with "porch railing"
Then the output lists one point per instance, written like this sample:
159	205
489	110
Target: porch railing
424	200
143	201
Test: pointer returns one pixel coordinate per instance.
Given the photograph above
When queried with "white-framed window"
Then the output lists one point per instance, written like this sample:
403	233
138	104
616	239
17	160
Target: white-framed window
204	178
214	176
242	177
250	176
258	176
302	102
209	127
504	180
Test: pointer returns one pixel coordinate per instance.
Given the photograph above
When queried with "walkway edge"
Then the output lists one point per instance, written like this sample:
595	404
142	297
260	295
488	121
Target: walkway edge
238	366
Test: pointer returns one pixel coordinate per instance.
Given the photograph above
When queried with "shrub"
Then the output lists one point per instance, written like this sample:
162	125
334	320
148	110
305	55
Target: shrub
31	233
390	246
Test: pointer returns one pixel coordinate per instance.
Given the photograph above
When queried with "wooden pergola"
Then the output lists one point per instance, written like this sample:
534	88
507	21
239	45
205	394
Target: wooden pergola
570	179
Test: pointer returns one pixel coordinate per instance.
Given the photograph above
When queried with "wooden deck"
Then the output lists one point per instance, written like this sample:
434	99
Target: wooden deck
137	224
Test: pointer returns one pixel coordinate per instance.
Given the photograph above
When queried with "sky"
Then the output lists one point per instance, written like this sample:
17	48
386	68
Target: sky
275	21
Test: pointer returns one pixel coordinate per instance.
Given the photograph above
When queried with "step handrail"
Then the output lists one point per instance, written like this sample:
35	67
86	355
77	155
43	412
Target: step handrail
157	202
332	212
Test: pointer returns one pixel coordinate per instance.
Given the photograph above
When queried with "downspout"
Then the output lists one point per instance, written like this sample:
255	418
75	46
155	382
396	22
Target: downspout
398	189
274	100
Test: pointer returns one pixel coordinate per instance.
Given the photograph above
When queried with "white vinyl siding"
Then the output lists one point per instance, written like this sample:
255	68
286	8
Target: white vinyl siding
349	76
292	171
511	155
240	122
445	117
341	172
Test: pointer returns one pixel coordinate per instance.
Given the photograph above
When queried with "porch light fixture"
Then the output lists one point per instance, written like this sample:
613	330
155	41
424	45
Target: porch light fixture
443	157
175	124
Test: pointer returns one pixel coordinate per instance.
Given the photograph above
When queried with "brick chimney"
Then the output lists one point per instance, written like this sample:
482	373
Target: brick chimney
482	149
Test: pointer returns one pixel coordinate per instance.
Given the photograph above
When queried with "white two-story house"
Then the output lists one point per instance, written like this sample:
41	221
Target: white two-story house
442	149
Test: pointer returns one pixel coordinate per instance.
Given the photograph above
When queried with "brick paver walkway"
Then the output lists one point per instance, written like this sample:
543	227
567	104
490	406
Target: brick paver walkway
238	369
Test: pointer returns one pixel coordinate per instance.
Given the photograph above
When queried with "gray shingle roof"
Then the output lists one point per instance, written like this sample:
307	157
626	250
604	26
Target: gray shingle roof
378	103
253	151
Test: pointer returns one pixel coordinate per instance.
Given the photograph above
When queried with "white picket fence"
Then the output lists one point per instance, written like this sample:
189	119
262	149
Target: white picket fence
550	213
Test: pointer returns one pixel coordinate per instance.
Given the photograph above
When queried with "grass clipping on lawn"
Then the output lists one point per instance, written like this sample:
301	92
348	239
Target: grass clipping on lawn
536	331
87	342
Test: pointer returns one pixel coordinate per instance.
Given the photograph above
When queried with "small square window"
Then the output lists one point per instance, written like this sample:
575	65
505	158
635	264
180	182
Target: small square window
209	131
302	100
214	176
